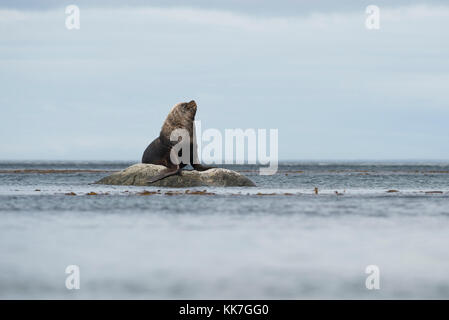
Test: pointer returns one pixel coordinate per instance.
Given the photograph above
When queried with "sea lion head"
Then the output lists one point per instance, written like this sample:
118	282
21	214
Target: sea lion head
187	108
181	116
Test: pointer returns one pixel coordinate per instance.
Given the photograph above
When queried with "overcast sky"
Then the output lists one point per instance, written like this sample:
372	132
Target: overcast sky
332	88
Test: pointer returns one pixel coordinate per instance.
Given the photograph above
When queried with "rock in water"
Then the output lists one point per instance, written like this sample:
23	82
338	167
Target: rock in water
139	174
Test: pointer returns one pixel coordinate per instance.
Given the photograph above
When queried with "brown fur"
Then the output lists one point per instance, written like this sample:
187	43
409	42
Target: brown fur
181	116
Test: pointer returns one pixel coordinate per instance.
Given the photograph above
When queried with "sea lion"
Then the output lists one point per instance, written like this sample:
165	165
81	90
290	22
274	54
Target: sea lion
181	116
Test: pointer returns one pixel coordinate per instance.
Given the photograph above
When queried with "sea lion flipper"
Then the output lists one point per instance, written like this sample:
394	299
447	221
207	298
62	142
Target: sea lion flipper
199	167
164	174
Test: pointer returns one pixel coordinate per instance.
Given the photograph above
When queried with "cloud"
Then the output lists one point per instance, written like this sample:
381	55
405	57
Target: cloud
255	7
330	86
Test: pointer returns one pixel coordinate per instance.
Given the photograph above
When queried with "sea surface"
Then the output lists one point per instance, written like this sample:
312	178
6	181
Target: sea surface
279	240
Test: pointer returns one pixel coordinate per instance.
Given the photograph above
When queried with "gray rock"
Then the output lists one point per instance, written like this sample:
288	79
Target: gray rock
139	174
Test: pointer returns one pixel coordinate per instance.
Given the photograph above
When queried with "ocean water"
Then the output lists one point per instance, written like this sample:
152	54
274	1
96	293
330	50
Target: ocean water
278	240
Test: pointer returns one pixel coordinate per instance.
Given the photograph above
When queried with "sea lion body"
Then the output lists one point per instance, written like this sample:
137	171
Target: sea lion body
181	116
157	153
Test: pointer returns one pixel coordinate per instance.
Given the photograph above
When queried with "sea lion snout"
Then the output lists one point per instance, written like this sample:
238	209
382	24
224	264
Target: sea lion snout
192	104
